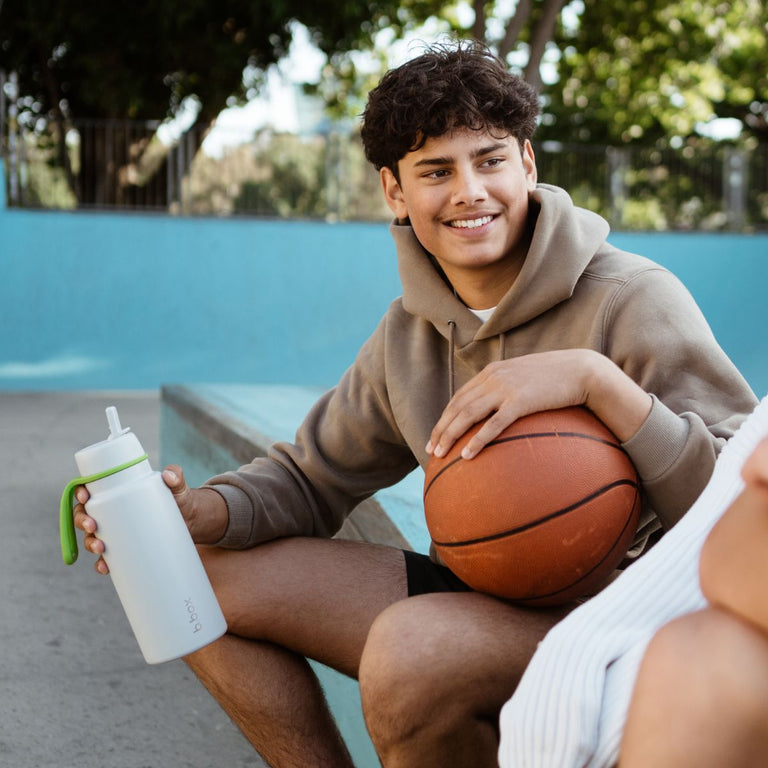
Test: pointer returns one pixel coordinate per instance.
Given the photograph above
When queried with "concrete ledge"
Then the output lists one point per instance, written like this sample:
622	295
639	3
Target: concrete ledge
212	428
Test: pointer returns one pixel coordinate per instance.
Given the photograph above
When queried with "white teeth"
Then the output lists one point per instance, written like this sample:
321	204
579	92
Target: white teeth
471	223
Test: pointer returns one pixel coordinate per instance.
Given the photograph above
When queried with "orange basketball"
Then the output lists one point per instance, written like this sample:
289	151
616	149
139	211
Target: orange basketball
542	515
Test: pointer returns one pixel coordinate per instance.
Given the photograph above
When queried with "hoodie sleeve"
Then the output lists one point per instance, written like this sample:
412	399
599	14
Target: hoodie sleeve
657	334
347	448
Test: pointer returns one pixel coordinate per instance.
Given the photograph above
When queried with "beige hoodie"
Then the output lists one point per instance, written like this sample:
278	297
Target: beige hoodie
574	291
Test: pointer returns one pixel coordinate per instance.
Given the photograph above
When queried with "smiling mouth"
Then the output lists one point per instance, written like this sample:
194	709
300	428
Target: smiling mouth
470	223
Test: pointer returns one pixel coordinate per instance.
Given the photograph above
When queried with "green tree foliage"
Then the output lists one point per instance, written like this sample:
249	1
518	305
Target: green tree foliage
89	58
626	71
519	32
631	72
645	70
642	72
294	182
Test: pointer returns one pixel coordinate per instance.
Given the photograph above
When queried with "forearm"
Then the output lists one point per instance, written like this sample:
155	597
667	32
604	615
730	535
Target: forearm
620	403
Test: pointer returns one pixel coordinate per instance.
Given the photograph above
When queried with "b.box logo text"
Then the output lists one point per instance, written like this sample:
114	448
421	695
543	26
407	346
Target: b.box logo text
194	619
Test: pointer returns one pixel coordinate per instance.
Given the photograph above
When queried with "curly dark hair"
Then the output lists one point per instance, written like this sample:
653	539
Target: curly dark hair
459	85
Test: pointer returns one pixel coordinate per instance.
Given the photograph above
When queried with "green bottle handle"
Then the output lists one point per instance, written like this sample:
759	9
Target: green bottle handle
66	516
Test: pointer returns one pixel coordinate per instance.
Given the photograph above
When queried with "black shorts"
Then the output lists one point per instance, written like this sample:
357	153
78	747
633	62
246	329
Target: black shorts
425	576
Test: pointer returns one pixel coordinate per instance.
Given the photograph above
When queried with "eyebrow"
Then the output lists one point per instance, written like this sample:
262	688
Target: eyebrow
430	161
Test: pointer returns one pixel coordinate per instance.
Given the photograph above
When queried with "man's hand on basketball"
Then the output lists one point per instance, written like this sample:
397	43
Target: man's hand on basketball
204	511
509	389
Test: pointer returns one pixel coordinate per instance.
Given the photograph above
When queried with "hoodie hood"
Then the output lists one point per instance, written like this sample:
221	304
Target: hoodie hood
565	239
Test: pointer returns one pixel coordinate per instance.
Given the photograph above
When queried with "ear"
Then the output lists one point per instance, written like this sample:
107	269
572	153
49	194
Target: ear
529	166
393	194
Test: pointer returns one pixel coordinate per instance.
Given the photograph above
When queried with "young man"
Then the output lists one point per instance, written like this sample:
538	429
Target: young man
512	303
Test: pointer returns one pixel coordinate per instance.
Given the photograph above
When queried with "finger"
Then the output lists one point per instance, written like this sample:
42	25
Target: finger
450	413
86	523
83	520
477	399
445	436
492	428
173	477
94	545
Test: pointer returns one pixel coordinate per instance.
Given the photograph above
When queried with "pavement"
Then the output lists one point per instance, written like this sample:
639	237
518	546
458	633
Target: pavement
76	692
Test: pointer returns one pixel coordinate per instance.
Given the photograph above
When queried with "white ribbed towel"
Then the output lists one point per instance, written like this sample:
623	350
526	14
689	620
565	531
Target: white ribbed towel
570	707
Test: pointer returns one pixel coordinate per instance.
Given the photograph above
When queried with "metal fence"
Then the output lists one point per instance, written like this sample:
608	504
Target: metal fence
125	165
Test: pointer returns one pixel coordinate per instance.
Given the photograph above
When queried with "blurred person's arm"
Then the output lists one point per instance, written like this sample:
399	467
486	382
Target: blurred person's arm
734	559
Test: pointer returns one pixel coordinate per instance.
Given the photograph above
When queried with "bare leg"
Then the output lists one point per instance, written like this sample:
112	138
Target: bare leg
436	671
275	700
283	601
701	697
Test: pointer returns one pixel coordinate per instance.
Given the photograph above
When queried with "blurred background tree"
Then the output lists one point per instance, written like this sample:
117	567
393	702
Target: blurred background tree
654	74
520	32
646	70
610	73
87	58
147	60
143	60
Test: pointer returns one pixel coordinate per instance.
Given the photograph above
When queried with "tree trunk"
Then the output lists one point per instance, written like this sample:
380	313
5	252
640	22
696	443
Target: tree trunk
514	28
541	34
108	150
123	164
54	96
478	28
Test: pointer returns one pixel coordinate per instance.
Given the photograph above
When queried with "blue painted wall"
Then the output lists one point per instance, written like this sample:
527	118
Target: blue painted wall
118	301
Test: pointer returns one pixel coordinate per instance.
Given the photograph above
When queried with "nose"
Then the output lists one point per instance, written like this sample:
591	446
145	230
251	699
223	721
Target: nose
468	188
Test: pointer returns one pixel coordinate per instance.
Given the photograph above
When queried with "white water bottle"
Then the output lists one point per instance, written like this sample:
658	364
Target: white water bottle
154	565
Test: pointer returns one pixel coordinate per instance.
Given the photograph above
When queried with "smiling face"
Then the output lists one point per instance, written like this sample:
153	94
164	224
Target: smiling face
466	196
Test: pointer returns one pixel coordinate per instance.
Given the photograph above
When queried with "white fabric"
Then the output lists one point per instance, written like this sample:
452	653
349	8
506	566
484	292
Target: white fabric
482	314
570	707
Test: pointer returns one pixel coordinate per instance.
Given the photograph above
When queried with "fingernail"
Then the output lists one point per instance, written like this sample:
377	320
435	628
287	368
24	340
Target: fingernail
439	451
428	447
466	454
81	496
171	475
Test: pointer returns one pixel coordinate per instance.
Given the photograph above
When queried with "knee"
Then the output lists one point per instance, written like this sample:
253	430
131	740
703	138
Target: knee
400	677
391	664
677	654
709	656
677	647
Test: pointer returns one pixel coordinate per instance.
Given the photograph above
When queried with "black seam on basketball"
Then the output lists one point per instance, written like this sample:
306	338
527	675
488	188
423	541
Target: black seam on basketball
446	467
541	520
527	436
590	572
555	434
